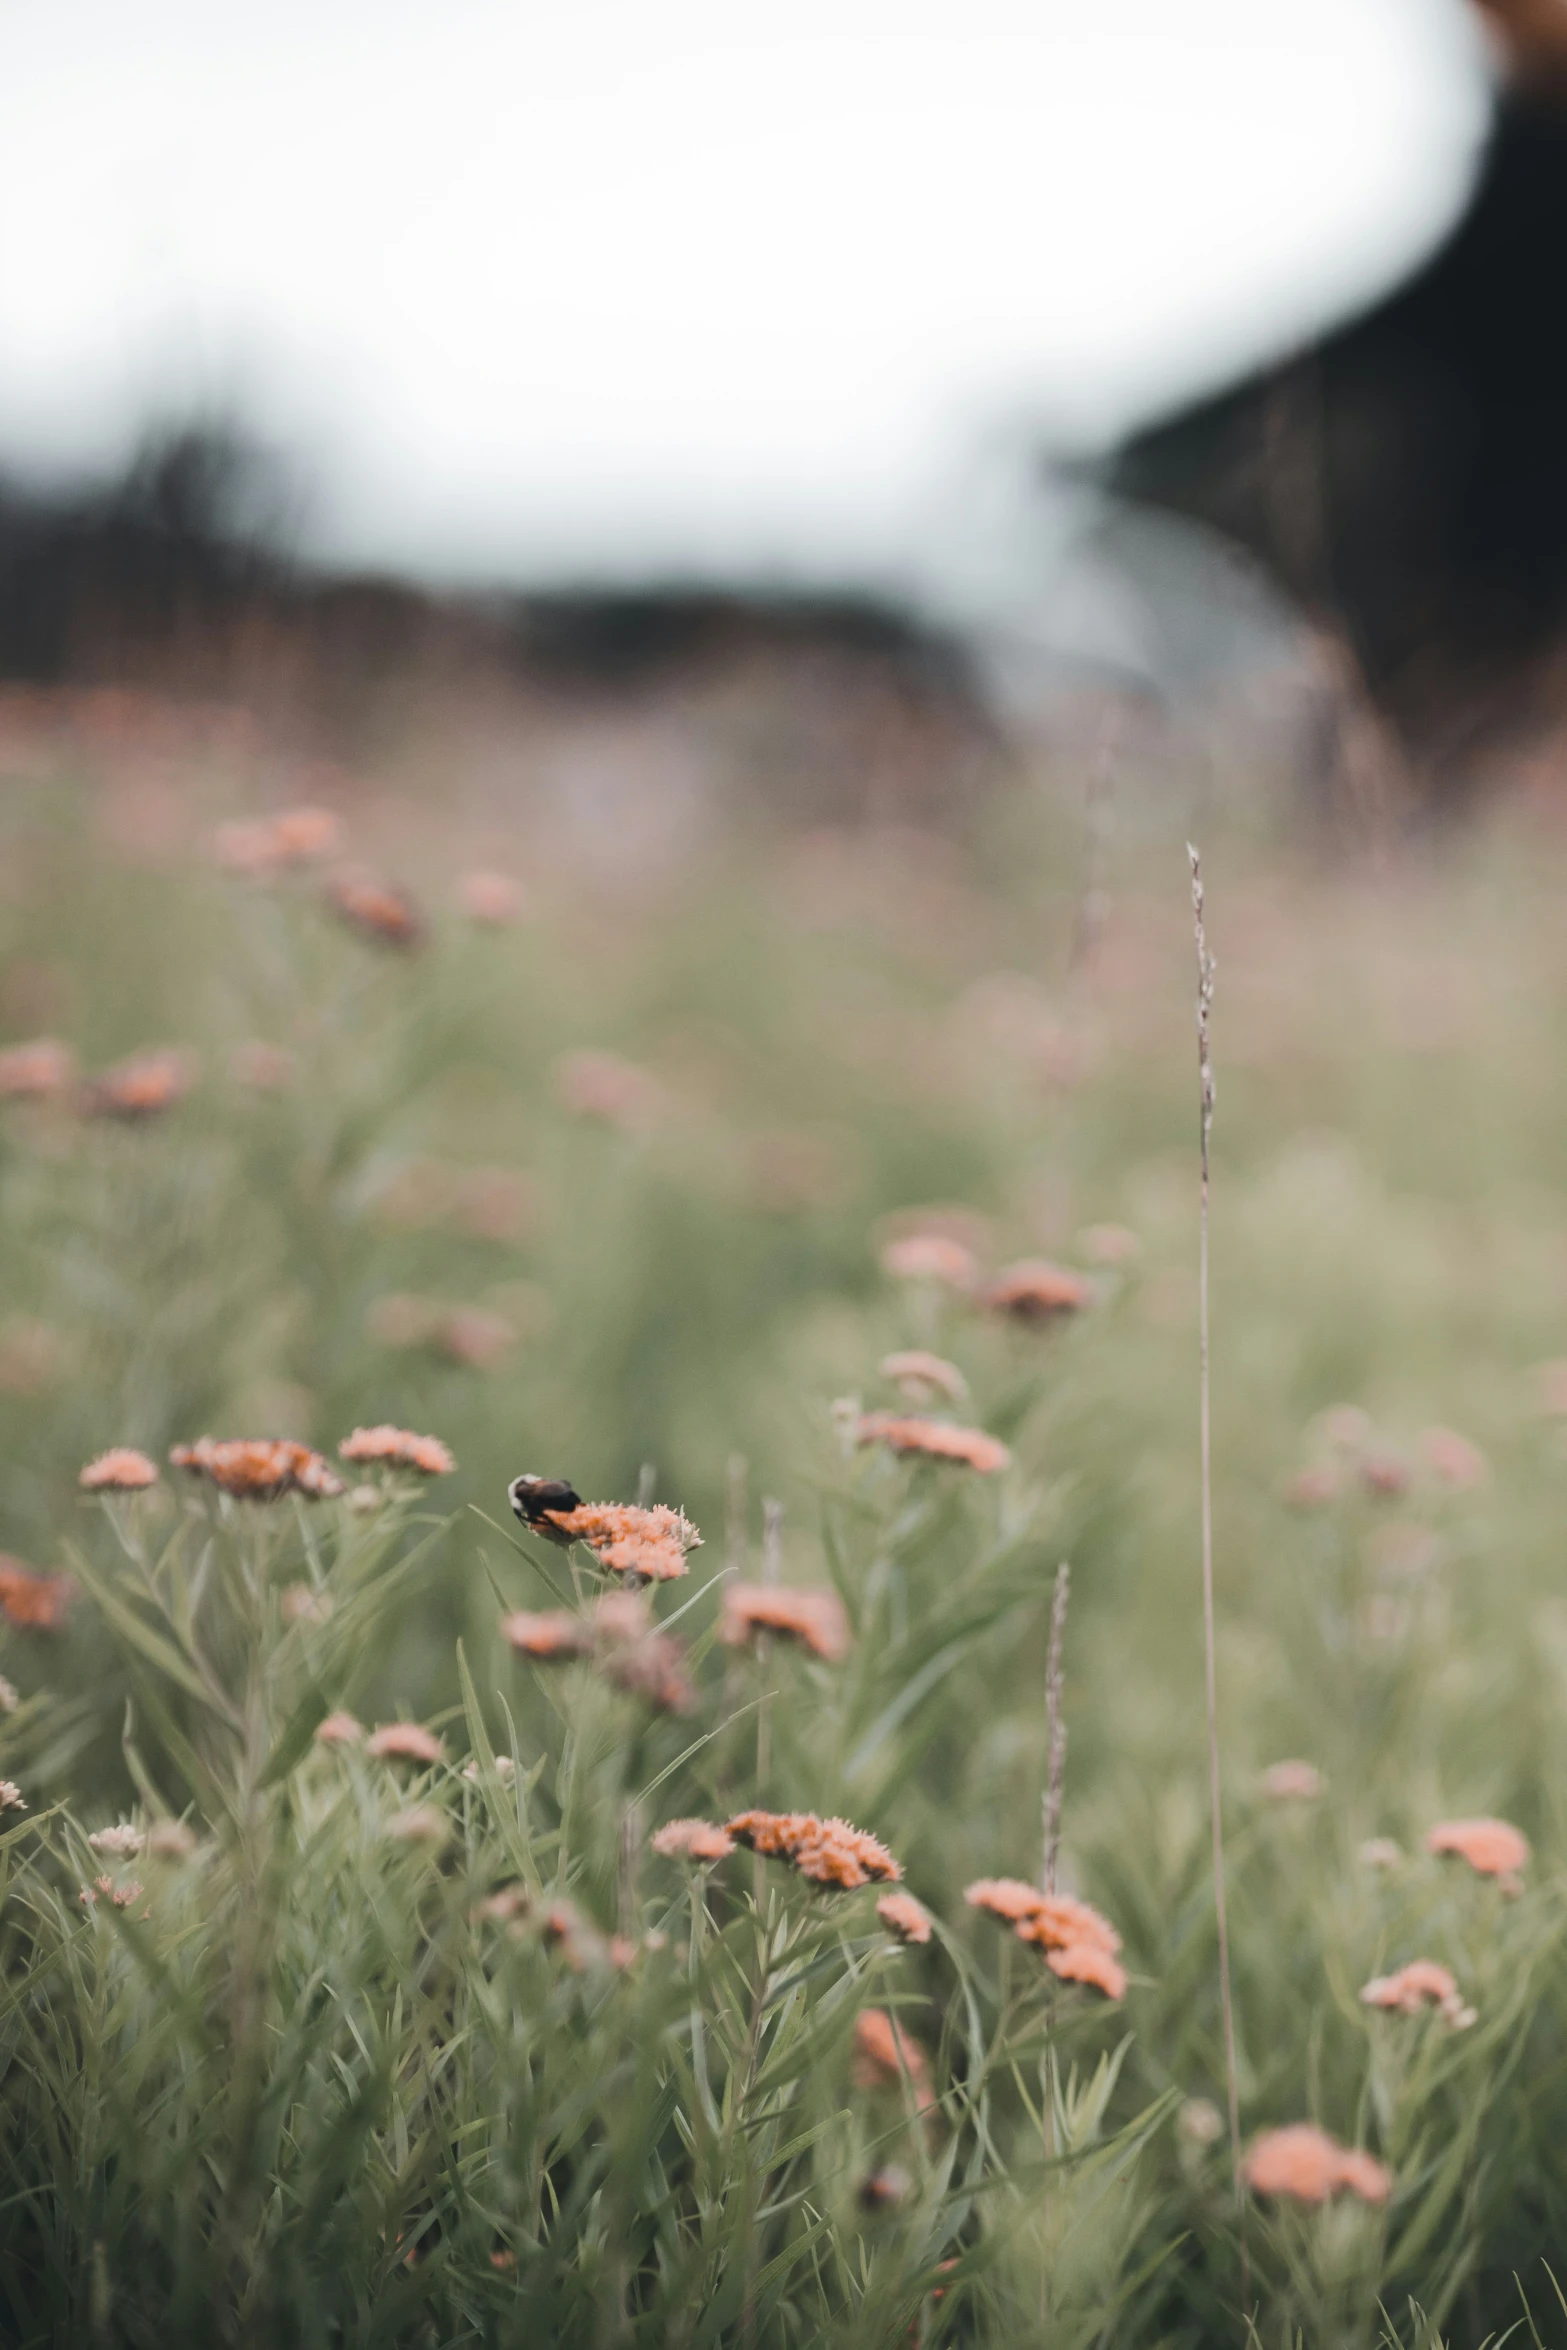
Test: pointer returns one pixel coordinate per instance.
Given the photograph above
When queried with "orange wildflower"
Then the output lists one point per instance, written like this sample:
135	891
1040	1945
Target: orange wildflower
1452	1459
922	1375
375	909
398	1448
815	1617
491	898
1058	1921
1422	1983
828	1852
930	1256
555	1635
1292	1782
40	1071
121	1895
1307	2165
1007	1898
643	1662
902	1915
1087	1962
259	1468
339	1729
1036	1291
141	1086
34	1603
301	835
1493	1848
120	1470
629	1540
700	1840
936	1438
885	2056
405	1742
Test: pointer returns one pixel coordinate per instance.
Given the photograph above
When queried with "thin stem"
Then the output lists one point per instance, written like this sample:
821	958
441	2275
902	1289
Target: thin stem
772	1569
1055	1726
1205	972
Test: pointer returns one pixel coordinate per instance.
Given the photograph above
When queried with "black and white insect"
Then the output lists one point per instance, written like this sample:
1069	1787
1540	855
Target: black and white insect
533	1497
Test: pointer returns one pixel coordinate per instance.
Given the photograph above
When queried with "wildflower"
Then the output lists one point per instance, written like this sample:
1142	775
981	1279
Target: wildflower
1058	1921
40	1071
364	1500
815	1617
1452	1459
1036	1291
398	1448
35	1603
1200	2122
142	1086
375	909
301	1603
259	1468
1307	2165
638	1659
31	1356
1109	1244
1493	1848
505	1769
495	1203
603	1087
120	1470
930	1256
827	1852
551	1637
123	1841
503	2260
405	1742
265	1068
11	1796
491	898
699	1840
626	1539
885	2189
1293	1782
170	1840
506	1903
1346	1427
474	1337
1007	1898
1421	1983
121	1895
922	1375
339	1729
302	835
1403	1552
246	848
1386	1474
1381	1852
1085	1962
1312	1488
902	1915
420	1823
936	1438
566	1930
885	2056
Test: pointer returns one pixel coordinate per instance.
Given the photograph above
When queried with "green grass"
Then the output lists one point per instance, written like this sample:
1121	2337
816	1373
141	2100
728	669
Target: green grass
304	2087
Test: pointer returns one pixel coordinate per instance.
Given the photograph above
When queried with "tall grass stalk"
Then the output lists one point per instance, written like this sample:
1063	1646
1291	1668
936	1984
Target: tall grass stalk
1055	1778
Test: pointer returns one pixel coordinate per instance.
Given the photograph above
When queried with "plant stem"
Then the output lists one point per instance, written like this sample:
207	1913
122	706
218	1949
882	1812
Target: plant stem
1055	1726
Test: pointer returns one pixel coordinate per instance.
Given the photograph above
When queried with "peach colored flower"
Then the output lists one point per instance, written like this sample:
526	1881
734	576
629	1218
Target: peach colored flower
420	1823
604	1087
1036	1291
1059	1921
300	836
1381	1852
1312	1488
628	1540
339	1729
1422	1983
1493	1848
1452	1459
902	1915
170	1840
142	1086
555	1635
827	1852
474	1337
815	1617
40	1071
922	1375
265	1068
122	1842
34	1603
405	1742
885	2056
1346	1427
930	1256
398	1448
376	910
1308	2166
493	899
495	1203
121	1895
31	1356
1007	1898
1385	1474
1088	1962
1109	1244
119	1470
259	1468
12	1798
301	1603
644	1662
1293	1781
248	847
936	1438
699	1840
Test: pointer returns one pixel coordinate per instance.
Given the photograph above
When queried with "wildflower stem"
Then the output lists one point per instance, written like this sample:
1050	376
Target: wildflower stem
1205	972
772	1565
1055	1726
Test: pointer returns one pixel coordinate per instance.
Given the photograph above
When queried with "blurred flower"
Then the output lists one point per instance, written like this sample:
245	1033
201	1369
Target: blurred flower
301	1603
1293	1781
699	1840
265	1068
120	1470
902	1915
122	1841
922	1375
1036	1291
1007	1898
170	1840
1402	1552
885	2189
495	1203
814	1617
303	835
40	1071
503	2259
398	1448
1109	1244
339	1729
1085	1962
248	848
551	1637
405	1742
375	909
1346	1427
1452	1459
1493	1848
1200	2122
937	1438
10	1696
828	1852
1059	1921
474	1337
11	1796
1308	2166
1422	1983
400	1320
259	1468
604	1087
1385	1474
31	1356
506	1903
36	1603
629	1540
490	898
142	1086
885	2056
1313	1487
637	1658
930	1256
1381	1852
505	1769
420	1823
121	1895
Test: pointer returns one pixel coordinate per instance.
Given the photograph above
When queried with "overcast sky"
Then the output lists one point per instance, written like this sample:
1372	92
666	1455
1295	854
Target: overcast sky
563	286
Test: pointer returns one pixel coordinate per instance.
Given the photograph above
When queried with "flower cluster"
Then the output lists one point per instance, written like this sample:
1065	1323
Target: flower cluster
621	1639
1305	2164
935	1438
827	1852
34	1603
698	1840
815	1617
902	1915
375	909
398	1448
259	1468
629	1540
266	846
40	1071
1034	1290
922	1375
1493	1848
1079	1944
141	1086
885	2057
120	1470
1421	1983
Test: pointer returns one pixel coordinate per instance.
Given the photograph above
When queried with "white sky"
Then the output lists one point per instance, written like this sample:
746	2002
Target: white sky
566	285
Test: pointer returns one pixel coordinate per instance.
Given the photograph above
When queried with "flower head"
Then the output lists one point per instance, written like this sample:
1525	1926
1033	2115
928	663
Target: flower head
1493	1848
141	1086
123	1841
1384	1473
1090	1963
121	1895
629	1540
375	909
1034	1290
885	2056
553	1636
1308	2166
814	1617
935	1438
420	1823
1422	1983
301	835
1292	1781
11	1796
398	1448
922	1375
339	1729
170	1840
1452	1459
1007	1898
644	1662
259	1468
827	1852
40	1071
473	1336
405	1742
886	2188
902	1915
930	1256
1381	1852
699	1840
1059	1921
490	898
120	1470
34	1603
1315	1486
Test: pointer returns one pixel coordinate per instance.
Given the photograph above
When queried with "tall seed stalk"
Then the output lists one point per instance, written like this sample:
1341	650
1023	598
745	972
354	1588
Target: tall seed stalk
1205	970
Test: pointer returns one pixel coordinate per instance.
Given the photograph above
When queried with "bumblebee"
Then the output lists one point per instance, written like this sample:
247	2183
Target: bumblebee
531	1497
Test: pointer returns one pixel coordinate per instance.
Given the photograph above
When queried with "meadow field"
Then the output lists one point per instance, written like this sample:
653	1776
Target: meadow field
837	1190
